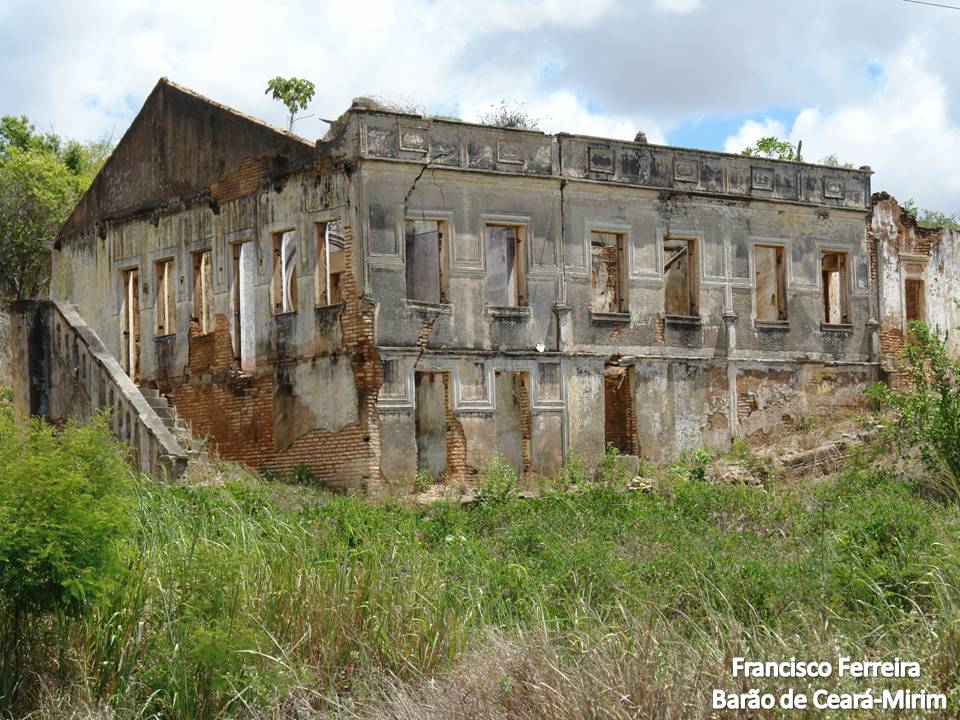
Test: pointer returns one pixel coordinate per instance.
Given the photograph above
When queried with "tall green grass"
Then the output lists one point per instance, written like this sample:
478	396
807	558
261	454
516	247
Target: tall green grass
242	600
230	601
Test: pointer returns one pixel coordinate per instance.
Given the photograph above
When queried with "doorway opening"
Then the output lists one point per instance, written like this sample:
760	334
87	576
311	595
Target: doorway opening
130	323
619	417
513	418
431	423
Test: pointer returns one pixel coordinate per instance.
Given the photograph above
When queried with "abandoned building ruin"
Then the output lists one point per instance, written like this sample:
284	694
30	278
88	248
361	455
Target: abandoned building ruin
418	294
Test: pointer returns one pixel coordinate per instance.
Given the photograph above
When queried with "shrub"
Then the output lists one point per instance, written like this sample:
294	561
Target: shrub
498	482
691	464
302	475
926	413
64	504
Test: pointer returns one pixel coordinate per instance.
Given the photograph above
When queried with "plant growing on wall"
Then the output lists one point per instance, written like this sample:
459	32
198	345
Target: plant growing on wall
295	93
933	219
774	148
509	115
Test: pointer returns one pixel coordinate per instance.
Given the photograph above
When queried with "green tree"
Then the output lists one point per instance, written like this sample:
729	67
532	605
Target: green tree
934	219
294	93
775	148
41	178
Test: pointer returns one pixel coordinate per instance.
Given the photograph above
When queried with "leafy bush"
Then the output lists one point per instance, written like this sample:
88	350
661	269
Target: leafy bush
691	464
498	482
64	505
302	475
926	412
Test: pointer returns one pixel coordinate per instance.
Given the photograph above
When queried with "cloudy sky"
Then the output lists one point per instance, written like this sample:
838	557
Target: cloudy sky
874	81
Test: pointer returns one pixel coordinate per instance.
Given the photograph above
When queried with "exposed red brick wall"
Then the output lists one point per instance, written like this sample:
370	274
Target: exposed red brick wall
236	410
526	420
456	438
246	180
620	421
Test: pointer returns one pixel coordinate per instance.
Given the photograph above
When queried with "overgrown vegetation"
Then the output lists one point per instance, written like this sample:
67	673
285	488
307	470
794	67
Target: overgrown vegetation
775	148
223	601
510	115
932	219
926	411
64	506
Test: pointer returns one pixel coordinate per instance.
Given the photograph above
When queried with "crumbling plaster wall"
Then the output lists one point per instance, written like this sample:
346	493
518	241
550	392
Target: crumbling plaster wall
901	244
725	233
465	203
474	411
680	404
333	388
687	375
310	398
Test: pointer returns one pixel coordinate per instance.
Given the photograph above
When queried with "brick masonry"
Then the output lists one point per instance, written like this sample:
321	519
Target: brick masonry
235	409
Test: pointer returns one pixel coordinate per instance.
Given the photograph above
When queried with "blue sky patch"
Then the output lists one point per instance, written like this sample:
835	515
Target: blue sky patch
710	131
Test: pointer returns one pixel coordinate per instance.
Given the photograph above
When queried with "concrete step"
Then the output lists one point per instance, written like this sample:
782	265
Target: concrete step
166	413
149	393
197	455
157	402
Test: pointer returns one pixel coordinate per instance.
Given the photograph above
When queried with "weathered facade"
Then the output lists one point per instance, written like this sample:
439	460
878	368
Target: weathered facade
419	293
917	280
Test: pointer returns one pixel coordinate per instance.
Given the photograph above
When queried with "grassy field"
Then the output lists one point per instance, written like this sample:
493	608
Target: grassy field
256	599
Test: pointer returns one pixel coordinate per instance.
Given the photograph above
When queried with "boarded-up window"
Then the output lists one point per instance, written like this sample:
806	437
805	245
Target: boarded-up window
394	379
331	263
130	322
473	380
608	277
166	306
833	266
506	272
201	309
771	282
242	302
548	382
680	277
913	300
284	285
425	271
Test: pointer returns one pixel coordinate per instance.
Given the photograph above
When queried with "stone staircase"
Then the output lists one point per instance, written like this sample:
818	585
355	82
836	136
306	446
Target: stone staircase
180	428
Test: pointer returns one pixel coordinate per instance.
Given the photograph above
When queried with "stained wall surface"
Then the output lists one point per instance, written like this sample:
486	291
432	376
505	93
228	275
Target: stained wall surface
495	233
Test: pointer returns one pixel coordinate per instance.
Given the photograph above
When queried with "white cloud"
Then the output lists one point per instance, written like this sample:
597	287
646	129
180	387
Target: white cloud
678	6
751	131
563	111
584	66
903	131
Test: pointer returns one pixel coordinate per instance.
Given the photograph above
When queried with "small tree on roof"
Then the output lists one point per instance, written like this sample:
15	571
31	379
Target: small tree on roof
295	93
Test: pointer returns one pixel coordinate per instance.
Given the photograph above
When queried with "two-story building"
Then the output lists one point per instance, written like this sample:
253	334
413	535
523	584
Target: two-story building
418	294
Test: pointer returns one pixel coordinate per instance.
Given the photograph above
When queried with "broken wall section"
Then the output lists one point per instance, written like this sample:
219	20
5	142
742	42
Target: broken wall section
273	388
918	279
